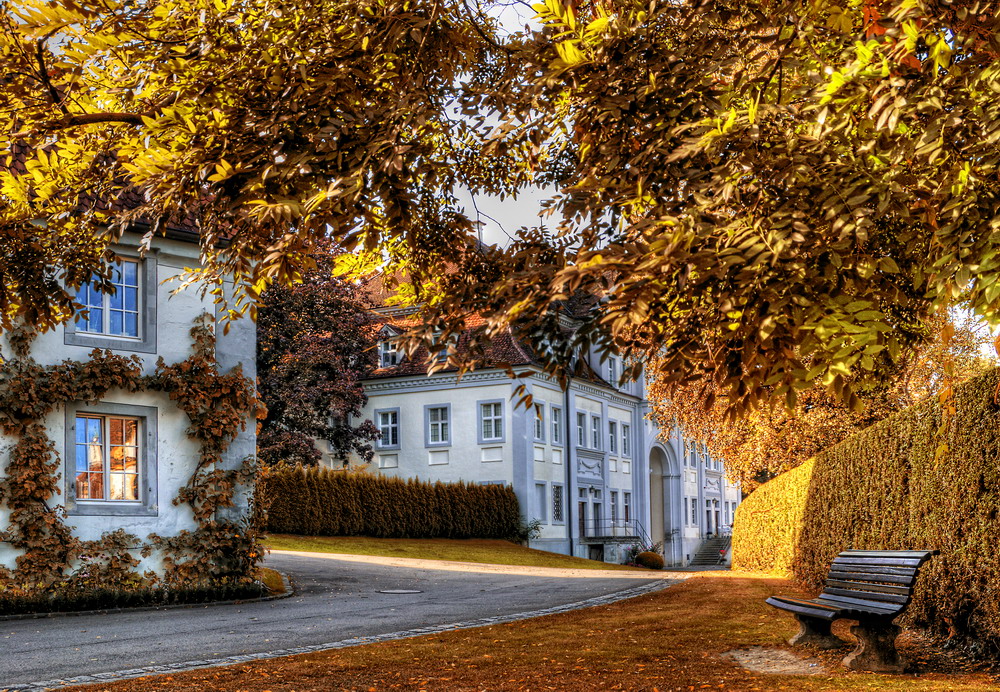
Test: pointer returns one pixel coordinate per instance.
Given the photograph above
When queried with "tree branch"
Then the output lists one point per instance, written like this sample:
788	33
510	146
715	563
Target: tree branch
43	74
81	119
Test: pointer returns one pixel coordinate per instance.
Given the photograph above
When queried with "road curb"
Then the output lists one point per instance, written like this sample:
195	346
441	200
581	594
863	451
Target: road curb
342	644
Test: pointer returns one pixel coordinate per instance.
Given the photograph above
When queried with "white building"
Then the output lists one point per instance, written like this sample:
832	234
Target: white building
124	458
587	462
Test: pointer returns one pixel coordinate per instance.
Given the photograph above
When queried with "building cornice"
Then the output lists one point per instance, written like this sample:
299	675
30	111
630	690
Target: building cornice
392	384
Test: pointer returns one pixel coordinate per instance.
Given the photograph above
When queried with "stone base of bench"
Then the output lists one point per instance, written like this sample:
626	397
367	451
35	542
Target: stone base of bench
876	650
816	632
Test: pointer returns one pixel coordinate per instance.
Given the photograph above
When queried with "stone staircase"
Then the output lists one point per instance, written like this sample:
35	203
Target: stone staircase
708	553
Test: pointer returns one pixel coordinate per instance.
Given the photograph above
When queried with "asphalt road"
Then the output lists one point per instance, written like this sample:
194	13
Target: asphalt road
335	600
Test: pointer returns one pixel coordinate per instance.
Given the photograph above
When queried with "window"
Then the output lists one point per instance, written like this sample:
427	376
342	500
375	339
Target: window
557	503
626	440
556	425
107	458
627	507
614	506
595	432
388	425
540	502
613	375
112	314
123	320
581	429
539	422
387	353
110	459
491	421
694	512
438	425
612	437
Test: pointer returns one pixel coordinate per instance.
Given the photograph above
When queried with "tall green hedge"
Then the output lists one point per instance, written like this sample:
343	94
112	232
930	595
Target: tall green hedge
883	489
318	501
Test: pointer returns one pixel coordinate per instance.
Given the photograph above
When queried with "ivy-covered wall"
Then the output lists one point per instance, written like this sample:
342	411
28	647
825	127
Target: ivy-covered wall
191	534
893	486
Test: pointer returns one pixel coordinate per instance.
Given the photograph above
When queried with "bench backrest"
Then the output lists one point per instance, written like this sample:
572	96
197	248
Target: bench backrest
875	578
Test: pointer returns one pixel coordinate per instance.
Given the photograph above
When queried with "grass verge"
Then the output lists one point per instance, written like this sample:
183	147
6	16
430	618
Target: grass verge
671	640
486	551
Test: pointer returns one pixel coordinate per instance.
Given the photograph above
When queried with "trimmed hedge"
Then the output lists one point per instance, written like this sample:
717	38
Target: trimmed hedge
318	501
768	523
882	489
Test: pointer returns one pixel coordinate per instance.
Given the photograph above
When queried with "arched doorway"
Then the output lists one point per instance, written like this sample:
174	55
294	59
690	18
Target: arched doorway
665	509
657	520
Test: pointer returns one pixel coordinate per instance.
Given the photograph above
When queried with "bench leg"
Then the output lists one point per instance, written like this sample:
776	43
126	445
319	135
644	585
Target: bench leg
816	632
876	650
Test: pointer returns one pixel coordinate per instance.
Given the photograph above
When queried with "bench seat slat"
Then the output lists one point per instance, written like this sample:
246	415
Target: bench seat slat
927	554
854	611
898	575
804	607
880	561
889	609
854	585
855	598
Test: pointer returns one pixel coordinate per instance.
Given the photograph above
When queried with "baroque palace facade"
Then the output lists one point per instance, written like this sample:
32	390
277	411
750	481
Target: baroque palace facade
589	463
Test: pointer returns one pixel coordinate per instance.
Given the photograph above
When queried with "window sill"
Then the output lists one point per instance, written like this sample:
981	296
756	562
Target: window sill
111	509
108	341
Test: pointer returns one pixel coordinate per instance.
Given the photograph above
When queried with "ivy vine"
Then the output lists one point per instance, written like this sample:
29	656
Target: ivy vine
218	406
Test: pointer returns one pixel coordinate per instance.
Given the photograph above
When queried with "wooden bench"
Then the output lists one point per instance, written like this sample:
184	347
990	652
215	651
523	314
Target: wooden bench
873	587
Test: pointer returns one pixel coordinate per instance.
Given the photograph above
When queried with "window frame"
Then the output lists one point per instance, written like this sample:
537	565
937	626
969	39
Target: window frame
581	428
538	428
558	510
556	413
596	432
146	322
428	425
146	505
480	419
626	440
613	437
542	494
399	428
387	347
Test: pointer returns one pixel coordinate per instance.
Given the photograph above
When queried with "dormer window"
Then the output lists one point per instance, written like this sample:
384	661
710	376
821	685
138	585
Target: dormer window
613	372
388	355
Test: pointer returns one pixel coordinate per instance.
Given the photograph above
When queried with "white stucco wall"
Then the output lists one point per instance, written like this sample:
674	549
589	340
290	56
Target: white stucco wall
465	458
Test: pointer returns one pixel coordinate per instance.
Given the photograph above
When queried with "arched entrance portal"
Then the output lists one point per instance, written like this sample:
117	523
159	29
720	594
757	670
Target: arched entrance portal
665	502
656	516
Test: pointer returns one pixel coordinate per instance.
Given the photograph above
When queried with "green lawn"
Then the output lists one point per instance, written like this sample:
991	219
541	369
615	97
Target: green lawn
470	550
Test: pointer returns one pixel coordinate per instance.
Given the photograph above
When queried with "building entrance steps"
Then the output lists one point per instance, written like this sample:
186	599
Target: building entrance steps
711	552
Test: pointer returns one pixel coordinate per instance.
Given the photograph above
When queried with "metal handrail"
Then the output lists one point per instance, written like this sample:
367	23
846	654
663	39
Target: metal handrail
616	528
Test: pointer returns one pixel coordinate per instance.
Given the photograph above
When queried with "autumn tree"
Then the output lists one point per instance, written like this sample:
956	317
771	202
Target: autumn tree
774	439
766	194
314	347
